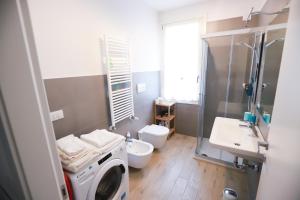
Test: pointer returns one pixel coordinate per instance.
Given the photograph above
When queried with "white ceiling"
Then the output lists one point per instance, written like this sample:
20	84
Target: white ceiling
162	5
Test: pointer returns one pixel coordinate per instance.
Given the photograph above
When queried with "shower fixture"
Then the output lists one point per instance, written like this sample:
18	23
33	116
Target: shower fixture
253	13
248	87
273	41
250	47
245	44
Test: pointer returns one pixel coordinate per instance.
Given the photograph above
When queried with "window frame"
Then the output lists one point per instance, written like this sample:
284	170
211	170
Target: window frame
202	30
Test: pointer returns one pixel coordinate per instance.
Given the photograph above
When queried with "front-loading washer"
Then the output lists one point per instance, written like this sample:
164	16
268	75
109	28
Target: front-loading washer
105	179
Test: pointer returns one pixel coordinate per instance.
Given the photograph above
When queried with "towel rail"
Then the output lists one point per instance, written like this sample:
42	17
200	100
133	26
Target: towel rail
119	78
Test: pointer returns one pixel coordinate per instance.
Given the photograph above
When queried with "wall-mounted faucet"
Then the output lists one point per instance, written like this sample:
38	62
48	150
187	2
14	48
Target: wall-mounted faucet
128	137
249	125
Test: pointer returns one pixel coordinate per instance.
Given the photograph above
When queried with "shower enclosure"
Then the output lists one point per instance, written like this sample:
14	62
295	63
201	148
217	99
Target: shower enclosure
229	80
228	86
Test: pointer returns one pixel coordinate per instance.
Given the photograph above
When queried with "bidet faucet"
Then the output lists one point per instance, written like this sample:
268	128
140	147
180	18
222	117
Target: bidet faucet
248	124
128	137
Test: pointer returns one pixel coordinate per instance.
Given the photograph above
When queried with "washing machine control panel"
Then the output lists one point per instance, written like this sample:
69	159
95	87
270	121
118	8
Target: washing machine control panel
86	174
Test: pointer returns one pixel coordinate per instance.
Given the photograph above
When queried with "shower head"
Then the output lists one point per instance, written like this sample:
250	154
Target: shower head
273	41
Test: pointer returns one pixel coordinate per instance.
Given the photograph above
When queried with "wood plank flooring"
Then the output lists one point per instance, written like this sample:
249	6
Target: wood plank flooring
174	174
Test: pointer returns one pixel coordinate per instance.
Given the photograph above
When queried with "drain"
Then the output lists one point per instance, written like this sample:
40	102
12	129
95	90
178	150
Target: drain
237	144
229	194
203	154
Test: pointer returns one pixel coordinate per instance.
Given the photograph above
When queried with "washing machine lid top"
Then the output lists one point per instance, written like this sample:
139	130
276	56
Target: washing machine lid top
155	130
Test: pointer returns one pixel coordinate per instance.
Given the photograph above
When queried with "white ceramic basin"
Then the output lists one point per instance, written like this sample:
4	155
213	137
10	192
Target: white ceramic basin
139	153
228	135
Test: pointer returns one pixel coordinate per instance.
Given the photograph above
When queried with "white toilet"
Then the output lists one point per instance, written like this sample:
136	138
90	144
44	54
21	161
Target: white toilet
154	134
139	153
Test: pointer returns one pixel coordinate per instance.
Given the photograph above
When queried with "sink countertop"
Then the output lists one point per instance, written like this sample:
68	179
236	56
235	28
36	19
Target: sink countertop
228	135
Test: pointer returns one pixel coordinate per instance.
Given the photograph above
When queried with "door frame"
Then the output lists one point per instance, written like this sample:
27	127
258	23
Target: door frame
27	121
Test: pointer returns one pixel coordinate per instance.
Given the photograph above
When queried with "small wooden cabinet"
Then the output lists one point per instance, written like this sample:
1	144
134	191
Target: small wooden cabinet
164	114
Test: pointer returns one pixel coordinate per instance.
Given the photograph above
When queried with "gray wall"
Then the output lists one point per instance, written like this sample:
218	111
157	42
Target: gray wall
186	121
84	101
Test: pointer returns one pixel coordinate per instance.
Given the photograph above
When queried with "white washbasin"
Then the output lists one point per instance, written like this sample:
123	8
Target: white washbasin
228	135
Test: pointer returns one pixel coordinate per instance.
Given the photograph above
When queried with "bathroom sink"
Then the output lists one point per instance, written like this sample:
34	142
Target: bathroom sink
228	135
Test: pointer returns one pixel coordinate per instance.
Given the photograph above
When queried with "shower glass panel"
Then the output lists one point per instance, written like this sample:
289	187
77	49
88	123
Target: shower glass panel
217	71
230	63
270	69
242	63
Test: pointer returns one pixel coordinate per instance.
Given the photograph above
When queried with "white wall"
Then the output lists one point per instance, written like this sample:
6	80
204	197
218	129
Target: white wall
212	10
67	34
280	176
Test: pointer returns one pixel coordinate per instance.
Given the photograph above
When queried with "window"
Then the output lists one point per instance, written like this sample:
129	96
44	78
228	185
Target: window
181	61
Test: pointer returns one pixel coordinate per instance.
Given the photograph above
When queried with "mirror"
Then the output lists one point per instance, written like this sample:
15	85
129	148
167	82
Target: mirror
272	54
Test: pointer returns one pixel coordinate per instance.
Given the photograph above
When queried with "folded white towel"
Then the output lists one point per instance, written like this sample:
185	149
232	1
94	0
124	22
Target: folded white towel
99	138
76	163
70	145
111	145
65	159
82	162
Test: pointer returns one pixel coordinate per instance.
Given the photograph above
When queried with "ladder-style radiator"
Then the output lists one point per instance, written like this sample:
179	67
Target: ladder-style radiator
119	79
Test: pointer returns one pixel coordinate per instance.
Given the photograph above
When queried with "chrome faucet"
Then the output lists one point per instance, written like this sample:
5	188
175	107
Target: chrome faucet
262	144
128	137
250	125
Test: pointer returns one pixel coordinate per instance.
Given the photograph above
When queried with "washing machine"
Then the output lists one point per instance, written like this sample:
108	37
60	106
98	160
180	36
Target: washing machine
105	179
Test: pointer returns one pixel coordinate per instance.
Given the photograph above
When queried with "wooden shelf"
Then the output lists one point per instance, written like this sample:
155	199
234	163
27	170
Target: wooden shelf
172	130
164	114
165	118
166	105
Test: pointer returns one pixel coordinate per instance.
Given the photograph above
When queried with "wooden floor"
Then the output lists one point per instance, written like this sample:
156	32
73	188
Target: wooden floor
173	174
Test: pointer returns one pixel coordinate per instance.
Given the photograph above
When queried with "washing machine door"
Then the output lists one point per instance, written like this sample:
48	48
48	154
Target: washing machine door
109	181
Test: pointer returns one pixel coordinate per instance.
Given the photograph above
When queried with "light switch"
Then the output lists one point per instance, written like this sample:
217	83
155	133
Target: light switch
56	115
141	87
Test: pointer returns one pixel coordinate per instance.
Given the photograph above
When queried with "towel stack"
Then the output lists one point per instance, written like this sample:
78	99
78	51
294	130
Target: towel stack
102	139
76	153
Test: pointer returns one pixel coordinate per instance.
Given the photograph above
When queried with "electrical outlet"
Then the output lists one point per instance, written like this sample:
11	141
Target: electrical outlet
56	115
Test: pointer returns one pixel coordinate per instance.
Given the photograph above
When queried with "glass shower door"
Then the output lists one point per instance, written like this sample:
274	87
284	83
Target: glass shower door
217	59
230	61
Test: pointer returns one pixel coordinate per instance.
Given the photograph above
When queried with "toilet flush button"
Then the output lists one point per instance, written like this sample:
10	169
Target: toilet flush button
141	87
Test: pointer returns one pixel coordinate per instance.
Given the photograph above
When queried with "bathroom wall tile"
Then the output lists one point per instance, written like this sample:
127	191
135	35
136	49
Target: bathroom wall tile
281	18
83	100
85	103
230	24
186	121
